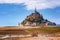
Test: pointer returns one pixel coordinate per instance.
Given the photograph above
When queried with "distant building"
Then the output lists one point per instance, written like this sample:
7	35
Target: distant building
36	19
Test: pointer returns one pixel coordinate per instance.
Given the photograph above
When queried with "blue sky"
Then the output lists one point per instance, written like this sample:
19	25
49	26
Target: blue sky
13	12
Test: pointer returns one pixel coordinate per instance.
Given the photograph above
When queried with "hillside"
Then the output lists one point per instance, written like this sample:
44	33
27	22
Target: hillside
36	19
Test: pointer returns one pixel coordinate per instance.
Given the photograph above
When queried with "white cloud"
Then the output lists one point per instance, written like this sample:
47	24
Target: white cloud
32	4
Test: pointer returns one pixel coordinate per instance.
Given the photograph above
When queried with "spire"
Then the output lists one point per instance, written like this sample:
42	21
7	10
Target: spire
35	10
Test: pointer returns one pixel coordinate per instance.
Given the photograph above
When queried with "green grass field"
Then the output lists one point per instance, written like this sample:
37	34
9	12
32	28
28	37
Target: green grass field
41	30
49	30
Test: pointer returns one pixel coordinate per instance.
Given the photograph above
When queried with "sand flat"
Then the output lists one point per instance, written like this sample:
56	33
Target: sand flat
41	38
35	38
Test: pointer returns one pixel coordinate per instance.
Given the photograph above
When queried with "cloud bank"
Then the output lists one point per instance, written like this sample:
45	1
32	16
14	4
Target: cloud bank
32	4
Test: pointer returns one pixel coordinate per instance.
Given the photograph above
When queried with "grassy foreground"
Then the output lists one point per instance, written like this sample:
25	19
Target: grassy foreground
50	30
41	30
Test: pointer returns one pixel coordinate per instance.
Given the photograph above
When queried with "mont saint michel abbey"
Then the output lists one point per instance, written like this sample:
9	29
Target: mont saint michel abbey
36	19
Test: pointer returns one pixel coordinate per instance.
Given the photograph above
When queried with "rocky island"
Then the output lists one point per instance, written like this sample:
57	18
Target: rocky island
36	19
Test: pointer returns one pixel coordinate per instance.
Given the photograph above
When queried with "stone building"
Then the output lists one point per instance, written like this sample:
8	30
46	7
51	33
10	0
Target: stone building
36	19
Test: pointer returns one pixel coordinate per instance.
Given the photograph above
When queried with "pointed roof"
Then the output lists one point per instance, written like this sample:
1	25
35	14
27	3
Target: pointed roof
36	11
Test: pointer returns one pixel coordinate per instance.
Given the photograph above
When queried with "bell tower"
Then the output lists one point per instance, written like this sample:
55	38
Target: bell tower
35	10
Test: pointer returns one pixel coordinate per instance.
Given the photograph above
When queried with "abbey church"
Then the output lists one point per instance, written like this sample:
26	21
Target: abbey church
36	19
